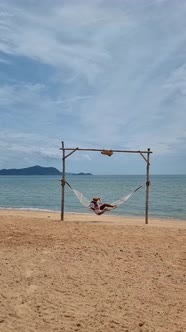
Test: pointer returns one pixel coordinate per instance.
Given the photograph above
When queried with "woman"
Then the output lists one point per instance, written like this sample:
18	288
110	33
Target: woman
97	206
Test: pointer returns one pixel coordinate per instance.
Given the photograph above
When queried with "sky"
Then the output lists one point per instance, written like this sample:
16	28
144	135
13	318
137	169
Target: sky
103	74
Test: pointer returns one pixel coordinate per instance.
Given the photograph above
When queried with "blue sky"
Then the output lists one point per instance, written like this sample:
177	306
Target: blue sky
95	74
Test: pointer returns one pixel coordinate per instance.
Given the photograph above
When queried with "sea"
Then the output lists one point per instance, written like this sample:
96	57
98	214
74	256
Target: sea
167	193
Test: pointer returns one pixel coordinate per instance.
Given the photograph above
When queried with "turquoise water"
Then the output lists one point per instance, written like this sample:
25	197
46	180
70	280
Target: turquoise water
167	196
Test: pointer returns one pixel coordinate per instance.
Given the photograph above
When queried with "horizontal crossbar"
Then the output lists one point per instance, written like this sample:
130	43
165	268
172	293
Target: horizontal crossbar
127	151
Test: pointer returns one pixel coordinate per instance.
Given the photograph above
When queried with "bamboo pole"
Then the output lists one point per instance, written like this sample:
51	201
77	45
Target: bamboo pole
87	149
147	187
63	183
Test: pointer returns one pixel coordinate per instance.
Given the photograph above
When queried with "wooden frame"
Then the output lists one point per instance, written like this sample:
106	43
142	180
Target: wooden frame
145	155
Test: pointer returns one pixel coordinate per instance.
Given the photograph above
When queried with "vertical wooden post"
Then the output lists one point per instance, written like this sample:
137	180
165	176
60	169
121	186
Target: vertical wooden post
147	188
63	182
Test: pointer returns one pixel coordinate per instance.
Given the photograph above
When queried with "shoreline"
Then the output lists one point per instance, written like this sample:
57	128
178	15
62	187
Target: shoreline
88	217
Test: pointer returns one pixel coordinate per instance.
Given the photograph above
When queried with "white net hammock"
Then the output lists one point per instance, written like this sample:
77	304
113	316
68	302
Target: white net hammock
85	202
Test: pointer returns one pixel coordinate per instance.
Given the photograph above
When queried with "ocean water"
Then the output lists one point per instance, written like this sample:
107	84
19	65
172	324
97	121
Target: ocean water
167	193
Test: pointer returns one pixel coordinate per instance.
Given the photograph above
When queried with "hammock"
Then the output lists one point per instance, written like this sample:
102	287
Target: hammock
85	202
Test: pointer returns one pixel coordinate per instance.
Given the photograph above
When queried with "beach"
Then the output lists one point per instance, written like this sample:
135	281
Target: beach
91	273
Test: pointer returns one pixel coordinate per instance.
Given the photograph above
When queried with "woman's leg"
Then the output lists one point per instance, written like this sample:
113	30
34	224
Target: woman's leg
106	205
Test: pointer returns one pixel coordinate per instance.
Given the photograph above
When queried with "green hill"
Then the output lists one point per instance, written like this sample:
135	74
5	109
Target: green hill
36	170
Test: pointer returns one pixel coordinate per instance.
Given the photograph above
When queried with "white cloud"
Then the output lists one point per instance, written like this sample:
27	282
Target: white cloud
26	146
117	73
57	36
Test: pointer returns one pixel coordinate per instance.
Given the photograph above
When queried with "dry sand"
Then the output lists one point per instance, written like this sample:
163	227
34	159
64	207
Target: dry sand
91	273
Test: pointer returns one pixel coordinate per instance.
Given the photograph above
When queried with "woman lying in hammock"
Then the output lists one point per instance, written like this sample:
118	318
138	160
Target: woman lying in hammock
97	206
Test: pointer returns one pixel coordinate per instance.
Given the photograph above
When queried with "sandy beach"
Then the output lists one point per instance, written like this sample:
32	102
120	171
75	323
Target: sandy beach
91	273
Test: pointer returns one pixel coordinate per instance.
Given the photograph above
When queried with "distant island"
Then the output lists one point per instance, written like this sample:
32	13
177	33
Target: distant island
36	170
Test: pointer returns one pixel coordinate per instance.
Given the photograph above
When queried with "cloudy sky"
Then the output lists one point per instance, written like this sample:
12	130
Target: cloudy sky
106	74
